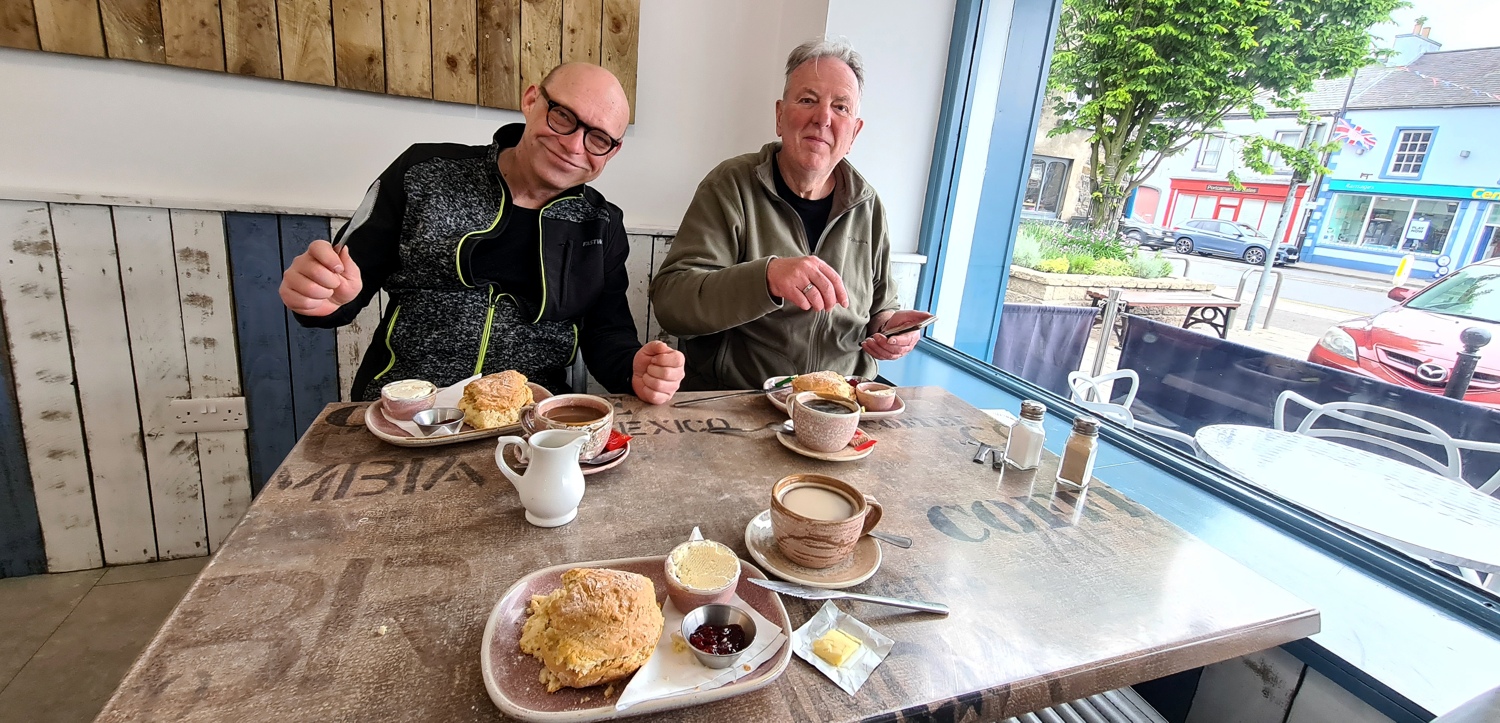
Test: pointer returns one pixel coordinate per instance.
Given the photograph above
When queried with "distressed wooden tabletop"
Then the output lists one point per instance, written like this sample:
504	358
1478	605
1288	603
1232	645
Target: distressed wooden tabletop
357	586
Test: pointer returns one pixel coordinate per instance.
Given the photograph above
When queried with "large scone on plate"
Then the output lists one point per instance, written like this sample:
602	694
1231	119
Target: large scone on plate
495	400
599	627
831	384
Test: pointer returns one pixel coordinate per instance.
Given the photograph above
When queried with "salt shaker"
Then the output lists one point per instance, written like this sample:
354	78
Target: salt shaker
1077	466
1023	450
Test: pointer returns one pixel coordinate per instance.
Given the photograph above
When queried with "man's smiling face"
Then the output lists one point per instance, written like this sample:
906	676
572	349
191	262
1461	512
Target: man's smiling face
817	117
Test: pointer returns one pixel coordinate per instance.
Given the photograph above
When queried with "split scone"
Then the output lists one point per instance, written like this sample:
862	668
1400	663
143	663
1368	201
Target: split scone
495	400
599	627
831	384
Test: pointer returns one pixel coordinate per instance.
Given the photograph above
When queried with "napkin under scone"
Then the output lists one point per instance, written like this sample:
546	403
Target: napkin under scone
830	384
495	400
599	627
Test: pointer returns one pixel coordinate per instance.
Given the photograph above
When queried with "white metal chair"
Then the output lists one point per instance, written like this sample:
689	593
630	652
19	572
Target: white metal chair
1094	394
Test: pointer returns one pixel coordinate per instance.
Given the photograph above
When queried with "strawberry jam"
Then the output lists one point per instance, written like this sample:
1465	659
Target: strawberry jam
719	639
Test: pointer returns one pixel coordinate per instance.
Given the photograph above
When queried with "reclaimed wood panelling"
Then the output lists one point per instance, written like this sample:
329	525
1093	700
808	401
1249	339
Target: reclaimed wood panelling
148	274
639	267
541	39
408	48
193	34
213	371
619	45
660	245
581	24
306	40
90	270
455	69
31	299
313	352
254	246
250	42
500	53
70	26
18	26
133	30
21	550
358	45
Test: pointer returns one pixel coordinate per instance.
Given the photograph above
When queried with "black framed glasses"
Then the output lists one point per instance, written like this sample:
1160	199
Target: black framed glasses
562	119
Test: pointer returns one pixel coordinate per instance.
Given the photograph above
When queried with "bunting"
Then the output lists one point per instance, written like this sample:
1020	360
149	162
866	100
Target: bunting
1439	82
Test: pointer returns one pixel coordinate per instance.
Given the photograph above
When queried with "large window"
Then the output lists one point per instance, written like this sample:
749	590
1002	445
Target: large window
1208	153
1489	236
1410	153
1414	225
1045	186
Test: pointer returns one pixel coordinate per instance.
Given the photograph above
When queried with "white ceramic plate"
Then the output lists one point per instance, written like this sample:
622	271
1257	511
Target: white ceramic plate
860	566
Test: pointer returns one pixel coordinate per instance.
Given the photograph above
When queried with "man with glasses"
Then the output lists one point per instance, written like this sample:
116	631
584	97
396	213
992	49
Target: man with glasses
792	223
494	257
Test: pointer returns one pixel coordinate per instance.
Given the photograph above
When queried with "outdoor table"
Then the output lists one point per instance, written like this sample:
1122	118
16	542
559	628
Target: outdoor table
1405	505
358	584
1207	309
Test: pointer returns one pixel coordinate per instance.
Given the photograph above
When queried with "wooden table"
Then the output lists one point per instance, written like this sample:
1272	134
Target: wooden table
1213	311
1408	506
1054	596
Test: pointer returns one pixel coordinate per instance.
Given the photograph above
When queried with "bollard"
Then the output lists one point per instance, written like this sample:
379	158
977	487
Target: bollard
1463	370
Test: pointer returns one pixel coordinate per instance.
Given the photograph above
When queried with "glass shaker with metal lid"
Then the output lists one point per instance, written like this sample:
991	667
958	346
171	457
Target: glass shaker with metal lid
1023	449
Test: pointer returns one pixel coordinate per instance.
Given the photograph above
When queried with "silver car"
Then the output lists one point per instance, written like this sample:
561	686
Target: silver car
1207	236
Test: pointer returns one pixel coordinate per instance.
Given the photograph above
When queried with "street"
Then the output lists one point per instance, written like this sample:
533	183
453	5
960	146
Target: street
1311	299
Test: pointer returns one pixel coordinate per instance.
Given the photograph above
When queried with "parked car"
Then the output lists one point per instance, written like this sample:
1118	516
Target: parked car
1205	236
1145	235
1415	343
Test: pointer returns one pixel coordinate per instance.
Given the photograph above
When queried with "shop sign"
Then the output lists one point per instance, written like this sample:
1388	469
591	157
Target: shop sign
1427	190
1231	189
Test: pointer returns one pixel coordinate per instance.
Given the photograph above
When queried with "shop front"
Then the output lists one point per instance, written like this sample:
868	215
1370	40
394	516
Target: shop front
1372	225
1257	205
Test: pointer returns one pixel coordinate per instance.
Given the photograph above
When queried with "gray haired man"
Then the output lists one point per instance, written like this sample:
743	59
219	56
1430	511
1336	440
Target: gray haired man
782	263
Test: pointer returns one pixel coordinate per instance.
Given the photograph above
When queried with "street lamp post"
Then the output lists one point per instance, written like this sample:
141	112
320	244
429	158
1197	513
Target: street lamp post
1463	370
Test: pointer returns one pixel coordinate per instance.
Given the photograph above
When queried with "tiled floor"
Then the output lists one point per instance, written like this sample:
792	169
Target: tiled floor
69	638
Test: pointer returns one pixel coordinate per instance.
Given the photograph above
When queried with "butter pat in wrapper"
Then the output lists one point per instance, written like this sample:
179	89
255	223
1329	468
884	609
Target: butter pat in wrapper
836	647
871	650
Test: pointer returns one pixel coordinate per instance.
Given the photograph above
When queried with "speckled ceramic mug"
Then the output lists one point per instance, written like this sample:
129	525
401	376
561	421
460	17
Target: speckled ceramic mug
820	543
823	431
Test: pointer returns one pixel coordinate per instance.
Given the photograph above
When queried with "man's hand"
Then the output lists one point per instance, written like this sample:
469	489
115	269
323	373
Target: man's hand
806	281
656	372
320	280
891	348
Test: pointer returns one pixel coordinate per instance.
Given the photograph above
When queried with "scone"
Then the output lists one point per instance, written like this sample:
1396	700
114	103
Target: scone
599	627
495	400
830	384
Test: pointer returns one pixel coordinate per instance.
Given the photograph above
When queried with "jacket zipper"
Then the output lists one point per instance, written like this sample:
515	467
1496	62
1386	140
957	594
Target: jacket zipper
389	329
541	247
458	251
489	322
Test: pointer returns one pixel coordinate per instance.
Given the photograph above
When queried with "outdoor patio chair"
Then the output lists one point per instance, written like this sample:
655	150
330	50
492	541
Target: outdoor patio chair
1041	344
1095	393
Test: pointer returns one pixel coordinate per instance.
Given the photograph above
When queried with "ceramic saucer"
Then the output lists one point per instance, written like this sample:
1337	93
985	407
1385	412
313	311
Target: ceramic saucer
515	462
778	399
858	568
847	454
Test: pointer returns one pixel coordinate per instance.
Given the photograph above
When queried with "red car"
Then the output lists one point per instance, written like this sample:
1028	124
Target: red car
1415	343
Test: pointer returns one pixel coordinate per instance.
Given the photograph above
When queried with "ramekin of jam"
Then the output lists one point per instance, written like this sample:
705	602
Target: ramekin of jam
718	634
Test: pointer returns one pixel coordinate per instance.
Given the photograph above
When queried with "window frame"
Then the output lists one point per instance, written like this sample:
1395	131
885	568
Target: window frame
1048	164
1277	162
1396	139
1203	150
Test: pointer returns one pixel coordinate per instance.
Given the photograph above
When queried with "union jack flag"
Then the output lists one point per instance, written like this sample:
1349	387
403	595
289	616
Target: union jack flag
1352	134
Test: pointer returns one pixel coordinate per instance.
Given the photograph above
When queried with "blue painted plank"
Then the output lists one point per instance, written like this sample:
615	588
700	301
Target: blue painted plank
314	353
254	241
21	551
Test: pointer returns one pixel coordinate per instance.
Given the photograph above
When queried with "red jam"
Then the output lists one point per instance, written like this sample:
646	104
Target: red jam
719	639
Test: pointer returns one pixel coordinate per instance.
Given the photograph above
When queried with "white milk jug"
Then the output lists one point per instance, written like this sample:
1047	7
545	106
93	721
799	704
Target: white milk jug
552	485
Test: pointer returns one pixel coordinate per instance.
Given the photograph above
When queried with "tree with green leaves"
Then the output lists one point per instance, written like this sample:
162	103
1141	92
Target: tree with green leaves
1146	77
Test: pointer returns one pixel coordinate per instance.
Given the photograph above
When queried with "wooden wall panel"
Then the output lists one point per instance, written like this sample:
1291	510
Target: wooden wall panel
208	326
250	42
193	34
254	243
541	40
18	30
21	549
582	21
306	40
148	273
31	300
133	30
500	53
408	48
621	37
90	271
70	26
455	64
358	45
313	352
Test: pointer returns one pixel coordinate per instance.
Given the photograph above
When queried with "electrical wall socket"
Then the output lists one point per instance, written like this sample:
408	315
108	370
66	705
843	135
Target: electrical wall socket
221	414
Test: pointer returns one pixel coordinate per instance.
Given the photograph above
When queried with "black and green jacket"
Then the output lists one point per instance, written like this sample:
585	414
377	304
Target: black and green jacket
415	235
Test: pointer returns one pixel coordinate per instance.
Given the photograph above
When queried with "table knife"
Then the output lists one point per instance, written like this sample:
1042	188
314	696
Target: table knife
690	402
813	593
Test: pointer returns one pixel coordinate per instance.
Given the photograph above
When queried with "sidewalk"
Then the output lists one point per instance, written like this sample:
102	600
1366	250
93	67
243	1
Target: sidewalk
1372	276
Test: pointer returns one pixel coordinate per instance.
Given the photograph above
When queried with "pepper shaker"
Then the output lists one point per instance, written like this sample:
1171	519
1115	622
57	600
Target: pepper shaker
1077	466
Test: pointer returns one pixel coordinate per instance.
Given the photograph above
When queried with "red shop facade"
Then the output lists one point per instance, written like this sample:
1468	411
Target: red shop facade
1257	205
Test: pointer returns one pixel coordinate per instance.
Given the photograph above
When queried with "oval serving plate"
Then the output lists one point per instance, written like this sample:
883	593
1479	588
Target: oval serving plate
779	398
512	678
386	430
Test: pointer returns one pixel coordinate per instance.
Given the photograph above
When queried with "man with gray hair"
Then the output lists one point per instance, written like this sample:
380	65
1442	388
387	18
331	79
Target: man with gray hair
792	223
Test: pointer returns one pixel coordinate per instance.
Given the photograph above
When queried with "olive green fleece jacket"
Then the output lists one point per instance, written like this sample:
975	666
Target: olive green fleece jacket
711	289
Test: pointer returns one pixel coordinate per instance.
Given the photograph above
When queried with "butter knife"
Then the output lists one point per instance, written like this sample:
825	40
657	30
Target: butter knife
813	593
691	402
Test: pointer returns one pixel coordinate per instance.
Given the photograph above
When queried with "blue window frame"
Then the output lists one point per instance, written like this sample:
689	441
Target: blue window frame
1407	157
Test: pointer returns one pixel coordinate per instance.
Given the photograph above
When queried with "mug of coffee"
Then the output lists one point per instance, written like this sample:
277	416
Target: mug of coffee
823	423
817	520
574	412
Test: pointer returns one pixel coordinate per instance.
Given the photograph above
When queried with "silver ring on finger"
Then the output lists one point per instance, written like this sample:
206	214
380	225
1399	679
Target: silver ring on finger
809	287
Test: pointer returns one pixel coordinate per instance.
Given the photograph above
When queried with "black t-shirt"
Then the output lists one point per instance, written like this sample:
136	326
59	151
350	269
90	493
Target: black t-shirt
512	260
814	213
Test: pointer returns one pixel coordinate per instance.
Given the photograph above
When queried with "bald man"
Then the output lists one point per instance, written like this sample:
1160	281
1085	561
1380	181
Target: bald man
495	257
